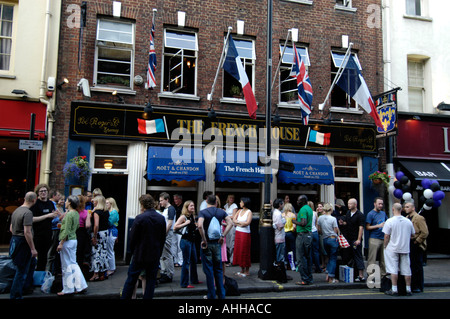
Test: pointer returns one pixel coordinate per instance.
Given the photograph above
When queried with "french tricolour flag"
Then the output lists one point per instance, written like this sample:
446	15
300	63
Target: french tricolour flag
352	82
151	127
233	65
319	138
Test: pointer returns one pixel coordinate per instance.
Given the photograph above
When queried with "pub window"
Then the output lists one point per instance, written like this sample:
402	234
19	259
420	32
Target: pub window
6	35
180	62
288	95
345	166
114	54
338	97
110	157
231	87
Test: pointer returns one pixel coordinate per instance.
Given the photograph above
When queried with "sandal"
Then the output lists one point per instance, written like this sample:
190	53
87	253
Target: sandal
301	283
333	281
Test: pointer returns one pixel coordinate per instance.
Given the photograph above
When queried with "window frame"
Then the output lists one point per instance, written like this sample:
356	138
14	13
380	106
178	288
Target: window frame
286	66
9	71
345	5
352	106
121	47
248	62
94	155
183	52
414	86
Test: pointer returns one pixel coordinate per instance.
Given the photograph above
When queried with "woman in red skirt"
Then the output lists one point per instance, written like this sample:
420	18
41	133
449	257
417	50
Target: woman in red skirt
242	242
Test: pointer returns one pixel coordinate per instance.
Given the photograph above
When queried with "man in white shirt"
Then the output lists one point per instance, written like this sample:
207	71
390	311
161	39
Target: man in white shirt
278	224
397	235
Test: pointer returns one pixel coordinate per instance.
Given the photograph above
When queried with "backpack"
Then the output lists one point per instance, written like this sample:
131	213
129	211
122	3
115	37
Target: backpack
214	229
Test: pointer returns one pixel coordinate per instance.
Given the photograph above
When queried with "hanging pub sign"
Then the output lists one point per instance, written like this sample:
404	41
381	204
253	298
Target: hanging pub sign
386	104
173	125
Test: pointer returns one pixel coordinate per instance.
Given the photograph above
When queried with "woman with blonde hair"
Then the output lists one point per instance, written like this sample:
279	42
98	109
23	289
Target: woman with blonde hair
99	221
186	226
290	233
328	227
113	222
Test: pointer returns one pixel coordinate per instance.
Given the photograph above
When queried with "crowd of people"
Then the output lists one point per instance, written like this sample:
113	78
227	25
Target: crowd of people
72	239
76	238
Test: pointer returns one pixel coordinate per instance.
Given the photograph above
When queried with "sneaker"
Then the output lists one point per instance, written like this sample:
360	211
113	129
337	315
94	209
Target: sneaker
360	279
409	293
391	293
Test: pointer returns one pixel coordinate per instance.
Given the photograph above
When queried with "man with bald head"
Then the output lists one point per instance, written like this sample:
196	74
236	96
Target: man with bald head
398	231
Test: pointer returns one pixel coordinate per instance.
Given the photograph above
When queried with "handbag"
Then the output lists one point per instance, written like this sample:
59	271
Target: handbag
343	243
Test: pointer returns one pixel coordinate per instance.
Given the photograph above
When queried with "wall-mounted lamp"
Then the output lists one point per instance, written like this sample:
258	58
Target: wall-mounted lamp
276	120
212	114
148	110
416	118
59	86
119	97
20	92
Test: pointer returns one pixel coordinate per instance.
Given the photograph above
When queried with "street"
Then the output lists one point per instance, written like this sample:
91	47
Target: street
432	293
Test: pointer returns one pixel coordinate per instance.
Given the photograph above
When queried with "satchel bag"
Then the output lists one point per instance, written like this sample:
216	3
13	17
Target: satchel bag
343	243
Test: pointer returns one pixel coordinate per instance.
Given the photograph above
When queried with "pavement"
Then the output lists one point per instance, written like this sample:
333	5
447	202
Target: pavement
436	272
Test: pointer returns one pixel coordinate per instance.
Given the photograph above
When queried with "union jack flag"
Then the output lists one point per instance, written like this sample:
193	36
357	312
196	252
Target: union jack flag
305	93
151	81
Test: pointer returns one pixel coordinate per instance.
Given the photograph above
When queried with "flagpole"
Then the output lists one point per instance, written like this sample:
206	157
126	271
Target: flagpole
210	95
281	59
307	136
338	75
165	125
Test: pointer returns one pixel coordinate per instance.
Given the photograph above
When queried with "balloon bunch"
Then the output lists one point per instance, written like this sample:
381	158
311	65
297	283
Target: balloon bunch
402	187
432	194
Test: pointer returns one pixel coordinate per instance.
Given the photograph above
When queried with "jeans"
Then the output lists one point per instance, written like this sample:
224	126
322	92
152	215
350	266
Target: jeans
304	256
25	264
280	249
331	246
212	267
315	252
189	263
134	270
290	237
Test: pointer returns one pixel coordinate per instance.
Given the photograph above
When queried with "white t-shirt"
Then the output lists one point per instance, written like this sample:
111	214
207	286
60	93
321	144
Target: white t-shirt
278	221
229	209
400	229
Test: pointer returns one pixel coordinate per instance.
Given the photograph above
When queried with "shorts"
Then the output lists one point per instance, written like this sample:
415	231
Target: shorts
395	262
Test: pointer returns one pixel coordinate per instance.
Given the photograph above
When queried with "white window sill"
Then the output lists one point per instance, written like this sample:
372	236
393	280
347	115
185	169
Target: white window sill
111	89
179	96
308	2
287	105
420	18
231	100
336	109
7	76
342	8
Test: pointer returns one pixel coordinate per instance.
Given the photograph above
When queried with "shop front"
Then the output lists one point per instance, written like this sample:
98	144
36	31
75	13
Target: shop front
186	152
18	164
423	152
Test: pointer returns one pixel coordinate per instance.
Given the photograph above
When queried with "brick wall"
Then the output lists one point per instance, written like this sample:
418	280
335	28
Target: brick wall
320	27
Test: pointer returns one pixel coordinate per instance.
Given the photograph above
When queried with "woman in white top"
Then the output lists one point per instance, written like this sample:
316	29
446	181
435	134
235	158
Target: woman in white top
231	209
242	241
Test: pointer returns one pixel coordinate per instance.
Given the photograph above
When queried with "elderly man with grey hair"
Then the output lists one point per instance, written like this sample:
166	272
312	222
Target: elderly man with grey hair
398	231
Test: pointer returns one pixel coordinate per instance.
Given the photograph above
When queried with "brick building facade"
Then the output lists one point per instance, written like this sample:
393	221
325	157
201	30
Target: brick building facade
321	26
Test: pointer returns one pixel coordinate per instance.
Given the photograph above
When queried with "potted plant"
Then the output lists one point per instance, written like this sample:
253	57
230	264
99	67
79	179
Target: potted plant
380	177
236	92
78	168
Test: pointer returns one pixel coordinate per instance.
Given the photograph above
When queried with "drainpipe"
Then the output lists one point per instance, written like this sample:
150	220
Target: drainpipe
42	90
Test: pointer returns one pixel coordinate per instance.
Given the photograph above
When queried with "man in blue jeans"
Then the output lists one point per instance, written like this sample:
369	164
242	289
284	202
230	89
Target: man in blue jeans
22	250
211	248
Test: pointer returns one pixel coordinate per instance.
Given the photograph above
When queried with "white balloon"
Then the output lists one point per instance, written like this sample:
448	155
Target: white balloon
407	196
391	189
428	193
426	207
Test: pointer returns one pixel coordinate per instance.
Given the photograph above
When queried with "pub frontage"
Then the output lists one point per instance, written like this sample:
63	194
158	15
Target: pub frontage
188	151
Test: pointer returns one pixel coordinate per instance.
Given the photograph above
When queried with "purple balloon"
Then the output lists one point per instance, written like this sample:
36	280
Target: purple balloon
426	183
399	175
437	203
438	195
398	193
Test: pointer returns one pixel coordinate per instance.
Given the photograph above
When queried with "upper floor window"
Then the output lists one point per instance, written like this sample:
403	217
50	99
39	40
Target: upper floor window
416	85
180	62
288	83
6	35
345	5
114	54
246	50
414	7
338	97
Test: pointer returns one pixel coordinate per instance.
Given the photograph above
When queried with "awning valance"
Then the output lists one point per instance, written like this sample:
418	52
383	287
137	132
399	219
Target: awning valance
239	166
308	169
439	170
175	163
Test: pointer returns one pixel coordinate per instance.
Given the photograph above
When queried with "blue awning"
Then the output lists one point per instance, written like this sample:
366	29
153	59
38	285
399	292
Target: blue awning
175	163
239	166
309	169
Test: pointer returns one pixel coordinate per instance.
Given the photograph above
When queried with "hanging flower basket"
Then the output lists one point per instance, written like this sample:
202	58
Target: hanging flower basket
77	168
380	177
